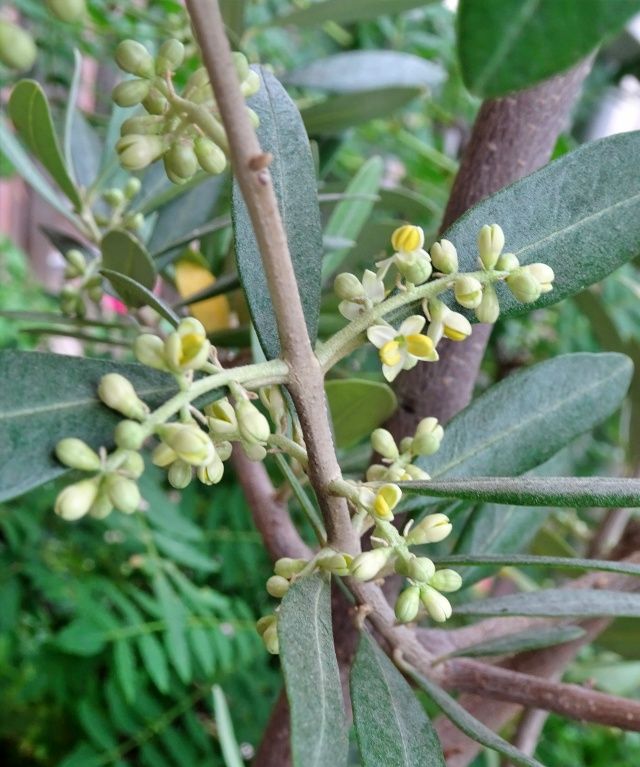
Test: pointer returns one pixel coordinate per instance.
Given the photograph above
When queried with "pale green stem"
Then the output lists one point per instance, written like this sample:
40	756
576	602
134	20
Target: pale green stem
255	376
281	442
351	336
203	119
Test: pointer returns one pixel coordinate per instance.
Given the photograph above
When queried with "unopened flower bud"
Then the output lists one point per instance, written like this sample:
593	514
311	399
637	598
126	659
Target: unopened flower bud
212	473
383	442
414	266
241	64
468	291
101	507
17	48
181	159
74	501
252	425
129	435
431	529
277	586
524	286
221	418
415	472
135	222
114	197
456	327
134	58
251	84
130	92
490	244
149	350
77	454
137	151
408	604
444	256
335	562
446	580
156	102
179	474
117	392
407	238
377	472
170	56
163	455
488	309
262	624
132	187
254	452
348	287
428	437
189	442
209	155
143	125
507	262
420	569
438	606
76	260
288	567
405	444
367	565
133	464
123	493
543	274
67	10
270	639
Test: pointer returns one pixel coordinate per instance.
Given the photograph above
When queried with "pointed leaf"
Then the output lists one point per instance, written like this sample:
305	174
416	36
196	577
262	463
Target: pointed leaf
175	615
312	680
344	13
554	603
533	639
282	133
30	113
137	295
357	407
224	724
125	667
125	254
391	725
154	660
531	560
506	45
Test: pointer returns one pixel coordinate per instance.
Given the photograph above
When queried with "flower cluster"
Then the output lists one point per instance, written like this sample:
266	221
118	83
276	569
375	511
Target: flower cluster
397	461
185	130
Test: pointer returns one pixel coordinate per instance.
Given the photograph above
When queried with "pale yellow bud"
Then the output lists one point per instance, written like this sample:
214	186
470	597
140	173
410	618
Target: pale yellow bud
428	437
101	507
123	493
456	327
543	274
149	350
468	291
222	419
438	606
288	567
489	308
348	287
507	262
415	472
420	569
490	244
408	604
212	473
277	586
189	442
133	464
335	562
252	424
431	529
133	57
129	435
524	286
77	454
74	501
444	256
180	474
446	580
270	639
263	623
118	393
367	565
415	266
163	455
130	92
382	442
377	472
170	56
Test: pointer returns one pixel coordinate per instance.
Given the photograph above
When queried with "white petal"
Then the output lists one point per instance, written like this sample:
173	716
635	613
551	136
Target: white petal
391	371
412	325
410	362
379	335
349	309
373	287
435	331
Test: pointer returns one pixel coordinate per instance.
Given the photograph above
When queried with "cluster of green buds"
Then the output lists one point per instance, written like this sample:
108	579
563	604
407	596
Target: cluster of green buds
397	461
185	130
417	271
117	200
83	284
17	48
185	349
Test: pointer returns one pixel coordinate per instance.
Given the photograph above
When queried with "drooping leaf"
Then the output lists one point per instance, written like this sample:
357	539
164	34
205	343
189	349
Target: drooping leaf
72	102
507	45
340	12
338	113
525	419
137	295
62	240
312	680
535	491
45	397
351	214
154	660
522	641
282	133
357	407
354	71
531	560
554	603
468	724
391	725
175	636
582	231
226	736
30	113
123	253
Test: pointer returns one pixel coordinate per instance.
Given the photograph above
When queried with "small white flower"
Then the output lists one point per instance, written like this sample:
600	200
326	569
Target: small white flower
373	293
402	349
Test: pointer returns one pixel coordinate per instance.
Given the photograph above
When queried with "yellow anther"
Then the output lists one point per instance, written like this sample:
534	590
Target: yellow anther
390	354
419	345
407	238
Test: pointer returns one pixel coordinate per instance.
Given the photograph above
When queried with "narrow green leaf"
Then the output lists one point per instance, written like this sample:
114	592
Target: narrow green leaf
506	45
72	101
354	71
468	724
154	660
228	743
185	553
81	637
137	295
125	254
340	12
306	504
535	491
351	214
530	560
62	240
525	419
520	642
583	232
86	149
30	113
312	680
391	725
175	615
200	639
45	397
558	603
358	407
233	12
125	667
21	161
336	114
282	133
